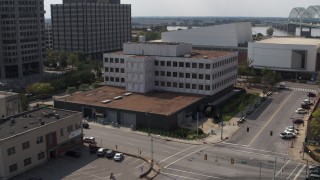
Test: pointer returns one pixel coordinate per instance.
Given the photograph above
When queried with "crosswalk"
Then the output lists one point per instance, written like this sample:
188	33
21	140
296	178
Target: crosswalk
302	89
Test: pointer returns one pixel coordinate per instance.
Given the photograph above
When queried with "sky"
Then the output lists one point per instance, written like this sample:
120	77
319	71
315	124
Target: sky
244	8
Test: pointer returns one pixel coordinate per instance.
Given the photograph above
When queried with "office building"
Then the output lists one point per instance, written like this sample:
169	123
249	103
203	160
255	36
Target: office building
10	104
91	27
294	58
21	40
49	36
32	138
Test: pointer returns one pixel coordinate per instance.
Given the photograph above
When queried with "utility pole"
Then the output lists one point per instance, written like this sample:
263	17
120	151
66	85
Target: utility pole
151	151
221	117
274	168
197	125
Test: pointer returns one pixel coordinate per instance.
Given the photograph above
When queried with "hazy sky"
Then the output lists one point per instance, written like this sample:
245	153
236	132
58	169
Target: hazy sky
257	8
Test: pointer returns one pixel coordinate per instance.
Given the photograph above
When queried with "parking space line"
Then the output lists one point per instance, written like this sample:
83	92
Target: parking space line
188	172
140	165
297	175
270	119
126	159
178	176
134	161
293	171
283	167
186	156
177	153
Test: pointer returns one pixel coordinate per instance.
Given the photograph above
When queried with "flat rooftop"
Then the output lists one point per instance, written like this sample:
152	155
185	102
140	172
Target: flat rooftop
31	120
4	94
196	55
163	103
291	41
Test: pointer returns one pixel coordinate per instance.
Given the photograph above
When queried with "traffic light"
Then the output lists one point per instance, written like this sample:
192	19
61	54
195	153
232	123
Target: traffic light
232	160
271	133
205	157
247	129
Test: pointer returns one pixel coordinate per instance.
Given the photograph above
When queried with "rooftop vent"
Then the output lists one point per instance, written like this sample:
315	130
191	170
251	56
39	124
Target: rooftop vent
128	94
117	98
106	101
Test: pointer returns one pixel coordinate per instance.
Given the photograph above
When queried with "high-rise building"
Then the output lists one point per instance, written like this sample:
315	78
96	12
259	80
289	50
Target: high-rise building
49	36
90	26
21	40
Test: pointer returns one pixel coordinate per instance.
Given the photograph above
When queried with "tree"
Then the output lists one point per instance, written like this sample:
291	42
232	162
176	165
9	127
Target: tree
315	122
24	102
270	31
72	59
41	89
84	87
71	90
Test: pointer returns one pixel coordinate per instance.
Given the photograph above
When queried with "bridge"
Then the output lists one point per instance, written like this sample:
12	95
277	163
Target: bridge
306	19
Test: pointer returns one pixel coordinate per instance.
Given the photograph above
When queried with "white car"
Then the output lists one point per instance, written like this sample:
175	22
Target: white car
89	139
291	131
301	111
307	102
118	157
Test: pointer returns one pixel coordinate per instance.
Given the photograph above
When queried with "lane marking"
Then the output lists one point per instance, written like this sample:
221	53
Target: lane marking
177	154
140	165
270	119
293	171
126	159
178	176
297	175
172	148
245	147
186	156
134	161
283	167
211	177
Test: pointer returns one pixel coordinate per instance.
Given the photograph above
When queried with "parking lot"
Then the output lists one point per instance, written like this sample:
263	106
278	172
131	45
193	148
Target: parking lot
88	166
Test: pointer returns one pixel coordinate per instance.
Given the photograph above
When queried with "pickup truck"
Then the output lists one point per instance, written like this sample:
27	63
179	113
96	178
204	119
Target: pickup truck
285	135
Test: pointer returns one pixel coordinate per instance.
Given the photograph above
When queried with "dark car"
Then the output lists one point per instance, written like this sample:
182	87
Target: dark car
110	154
298	121
74	154
305	106
310	94
102	152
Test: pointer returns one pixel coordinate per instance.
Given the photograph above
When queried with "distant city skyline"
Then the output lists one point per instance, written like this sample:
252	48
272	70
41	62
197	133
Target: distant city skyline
243	8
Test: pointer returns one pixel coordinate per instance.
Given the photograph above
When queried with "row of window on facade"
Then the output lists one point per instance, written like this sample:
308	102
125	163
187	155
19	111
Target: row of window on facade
26	162
114	60
195	86
114	79
193	64
116	70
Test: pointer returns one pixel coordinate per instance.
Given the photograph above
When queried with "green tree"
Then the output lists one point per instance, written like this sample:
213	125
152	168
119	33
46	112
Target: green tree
270	31
84	87
72	59
24	102
71	90
315	122
40	89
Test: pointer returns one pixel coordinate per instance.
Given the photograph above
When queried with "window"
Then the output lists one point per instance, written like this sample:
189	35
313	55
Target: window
40	155
174	84
69	128
187	75
194	76
175	64
122	80
117	70
107	78
200	76
106	60
39	139
61	132
194	86
11	151
188	86
156	73
26	145
175	74
156	83
106	69
168	63
207	77
200	87
168	74
156	63
122	61
162	63
194	65
162	73
111	69
117	60
111	60
208	66
181	85
13	167
207	88
201	65
117	79
181	64
181	75
163	84
122	70
168	84
187	65
27	161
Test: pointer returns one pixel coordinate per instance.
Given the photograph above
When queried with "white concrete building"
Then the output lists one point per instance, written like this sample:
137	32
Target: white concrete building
225	35
299	57
10	104
170	67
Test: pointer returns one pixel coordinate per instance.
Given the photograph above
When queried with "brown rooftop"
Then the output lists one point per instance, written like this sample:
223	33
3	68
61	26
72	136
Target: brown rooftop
198	54
164	103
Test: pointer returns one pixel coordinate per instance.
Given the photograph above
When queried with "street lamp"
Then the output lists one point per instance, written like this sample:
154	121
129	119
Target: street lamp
148	117
259	165
307	164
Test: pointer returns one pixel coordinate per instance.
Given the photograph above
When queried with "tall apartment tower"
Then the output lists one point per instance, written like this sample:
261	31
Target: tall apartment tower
21	41
90	26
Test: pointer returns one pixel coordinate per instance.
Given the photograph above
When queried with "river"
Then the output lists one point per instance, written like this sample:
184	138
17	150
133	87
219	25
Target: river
262	30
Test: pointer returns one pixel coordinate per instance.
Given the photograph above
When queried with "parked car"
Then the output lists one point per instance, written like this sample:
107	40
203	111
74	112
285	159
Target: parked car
305	106
310	94
85	124
287	135
301	111
297	121
118	157
110	154
74	154
312	176
93	148
89	139
102	152
307	102
291	131
269	93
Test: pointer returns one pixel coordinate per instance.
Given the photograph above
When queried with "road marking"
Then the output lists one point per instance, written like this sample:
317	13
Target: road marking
248	152
177	153
134	161
140	165
126	159
172	148
245	147
293	171
186	156
274	114
178	176
129	144
211	177
297	175
283	167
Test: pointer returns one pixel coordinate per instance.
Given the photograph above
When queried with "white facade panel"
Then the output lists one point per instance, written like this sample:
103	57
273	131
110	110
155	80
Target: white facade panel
296	60
278	58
